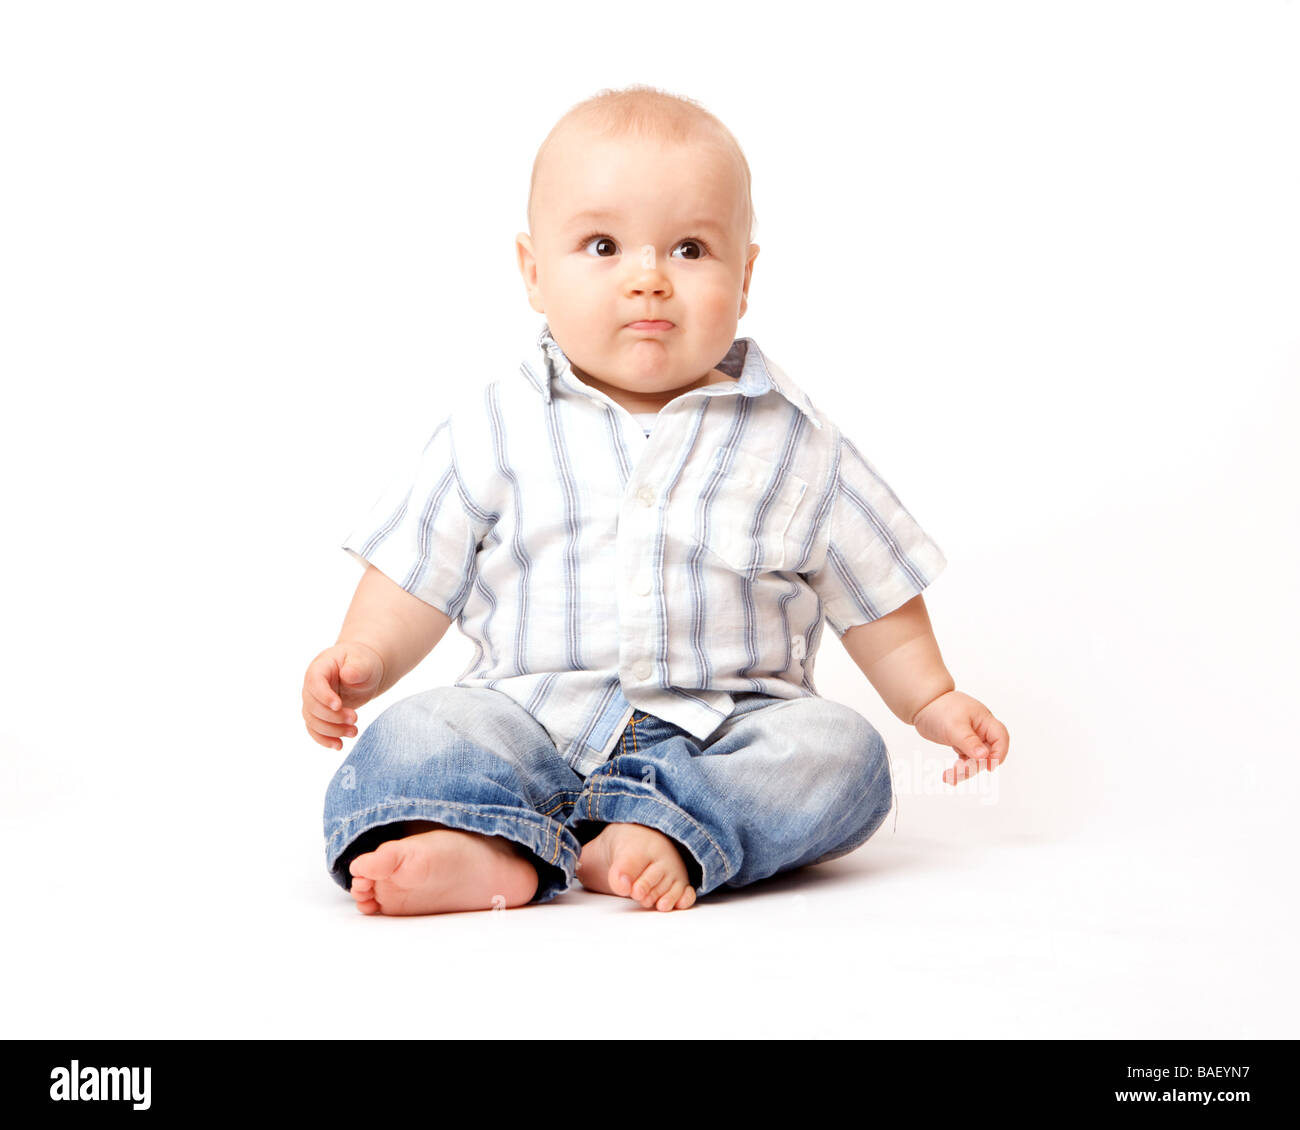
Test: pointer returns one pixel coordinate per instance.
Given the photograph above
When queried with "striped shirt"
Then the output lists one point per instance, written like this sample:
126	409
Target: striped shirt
600	566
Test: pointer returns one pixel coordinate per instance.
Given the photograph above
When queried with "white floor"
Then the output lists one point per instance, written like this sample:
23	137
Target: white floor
1097	936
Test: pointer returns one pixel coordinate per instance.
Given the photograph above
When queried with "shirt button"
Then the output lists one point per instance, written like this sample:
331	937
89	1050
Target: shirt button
647	496
643	671
643	587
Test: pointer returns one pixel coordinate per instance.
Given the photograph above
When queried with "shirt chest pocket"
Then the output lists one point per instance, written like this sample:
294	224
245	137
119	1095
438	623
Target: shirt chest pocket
744	512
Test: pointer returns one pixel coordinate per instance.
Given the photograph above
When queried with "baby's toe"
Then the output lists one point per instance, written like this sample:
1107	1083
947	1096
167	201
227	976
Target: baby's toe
687	900
651	878
377	864
669	901
363	894
662	889
656	890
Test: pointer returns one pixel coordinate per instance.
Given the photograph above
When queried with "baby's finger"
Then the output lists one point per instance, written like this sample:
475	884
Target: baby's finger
320	682
322	721
316	710
995	737
320	739
334	729
1000	740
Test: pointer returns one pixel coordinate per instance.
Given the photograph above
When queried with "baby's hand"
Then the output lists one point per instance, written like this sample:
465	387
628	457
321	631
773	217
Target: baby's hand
338	680
968	726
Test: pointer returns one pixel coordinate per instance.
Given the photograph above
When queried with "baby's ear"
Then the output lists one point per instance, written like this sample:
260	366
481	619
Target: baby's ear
526	256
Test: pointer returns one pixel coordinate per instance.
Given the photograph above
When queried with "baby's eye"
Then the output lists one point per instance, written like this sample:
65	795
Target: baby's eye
599	240
700	249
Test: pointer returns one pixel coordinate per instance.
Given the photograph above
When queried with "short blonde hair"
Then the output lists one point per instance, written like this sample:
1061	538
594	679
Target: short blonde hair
645	111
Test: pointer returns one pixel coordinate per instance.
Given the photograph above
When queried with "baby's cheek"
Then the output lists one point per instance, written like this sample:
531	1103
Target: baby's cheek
716	304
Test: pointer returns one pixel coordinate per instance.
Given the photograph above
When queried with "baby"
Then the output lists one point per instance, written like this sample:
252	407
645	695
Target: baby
643	531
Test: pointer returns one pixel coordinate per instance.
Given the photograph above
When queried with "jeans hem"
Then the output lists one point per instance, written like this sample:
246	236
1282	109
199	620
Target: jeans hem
623	805
556	859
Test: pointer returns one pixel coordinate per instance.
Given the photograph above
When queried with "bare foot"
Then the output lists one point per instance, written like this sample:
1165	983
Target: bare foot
639	863
440	869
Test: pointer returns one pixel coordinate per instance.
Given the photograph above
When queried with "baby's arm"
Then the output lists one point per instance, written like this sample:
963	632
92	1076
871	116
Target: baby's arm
900	657
385	633
401	628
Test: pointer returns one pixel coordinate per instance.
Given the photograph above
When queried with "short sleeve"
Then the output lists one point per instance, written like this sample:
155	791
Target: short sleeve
877	556
421	532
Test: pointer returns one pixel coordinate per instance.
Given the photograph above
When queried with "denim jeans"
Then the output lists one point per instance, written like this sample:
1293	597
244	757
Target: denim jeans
780	784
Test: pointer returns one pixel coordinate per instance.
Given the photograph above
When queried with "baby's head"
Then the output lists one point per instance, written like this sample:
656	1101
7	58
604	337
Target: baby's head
639	209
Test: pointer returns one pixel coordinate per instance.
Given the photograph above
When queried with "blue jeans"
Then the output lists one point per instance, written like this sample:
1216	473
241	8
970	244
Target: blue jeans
780	784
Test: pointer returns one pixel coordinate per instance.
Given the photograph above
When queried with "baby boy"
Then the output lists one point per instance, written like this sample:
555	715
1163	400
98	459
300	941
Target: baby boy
643	532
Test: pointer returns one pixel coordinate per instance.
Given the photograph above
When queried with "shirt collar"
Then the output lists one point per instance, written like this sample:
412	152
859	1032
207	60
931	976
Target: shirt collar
744	361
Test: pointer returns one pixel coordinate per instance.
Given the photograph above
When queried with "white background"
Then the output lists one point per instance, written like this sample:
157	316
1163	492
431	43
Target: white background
1041	261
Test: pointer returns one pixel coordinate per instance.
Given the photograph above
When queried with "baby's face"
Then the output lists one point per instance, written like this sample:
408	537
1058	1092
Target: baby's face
627	230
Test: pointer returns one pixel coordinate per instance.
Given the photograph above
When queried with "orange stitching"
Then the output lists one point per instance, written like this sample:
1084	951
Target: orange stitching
592	808
561	804
559	827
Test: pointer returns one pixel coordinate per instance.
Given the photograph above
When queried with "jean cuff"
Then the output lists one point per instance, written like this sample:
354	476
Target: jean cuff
553	846
622	800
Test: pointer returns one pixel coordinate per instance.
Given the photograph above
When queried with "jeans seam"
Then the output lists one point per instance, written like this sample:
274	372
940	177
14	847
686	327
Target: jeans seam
571	800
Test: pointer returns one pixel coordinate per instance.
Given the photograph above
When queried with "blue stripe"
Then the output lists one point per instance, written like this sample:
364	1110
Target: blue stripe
387	528
793	435
814	642
532	378
824	512
572	526
424	536
882	529
702	530
395	519
783	606
516	526
609	719
850	582
612	688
